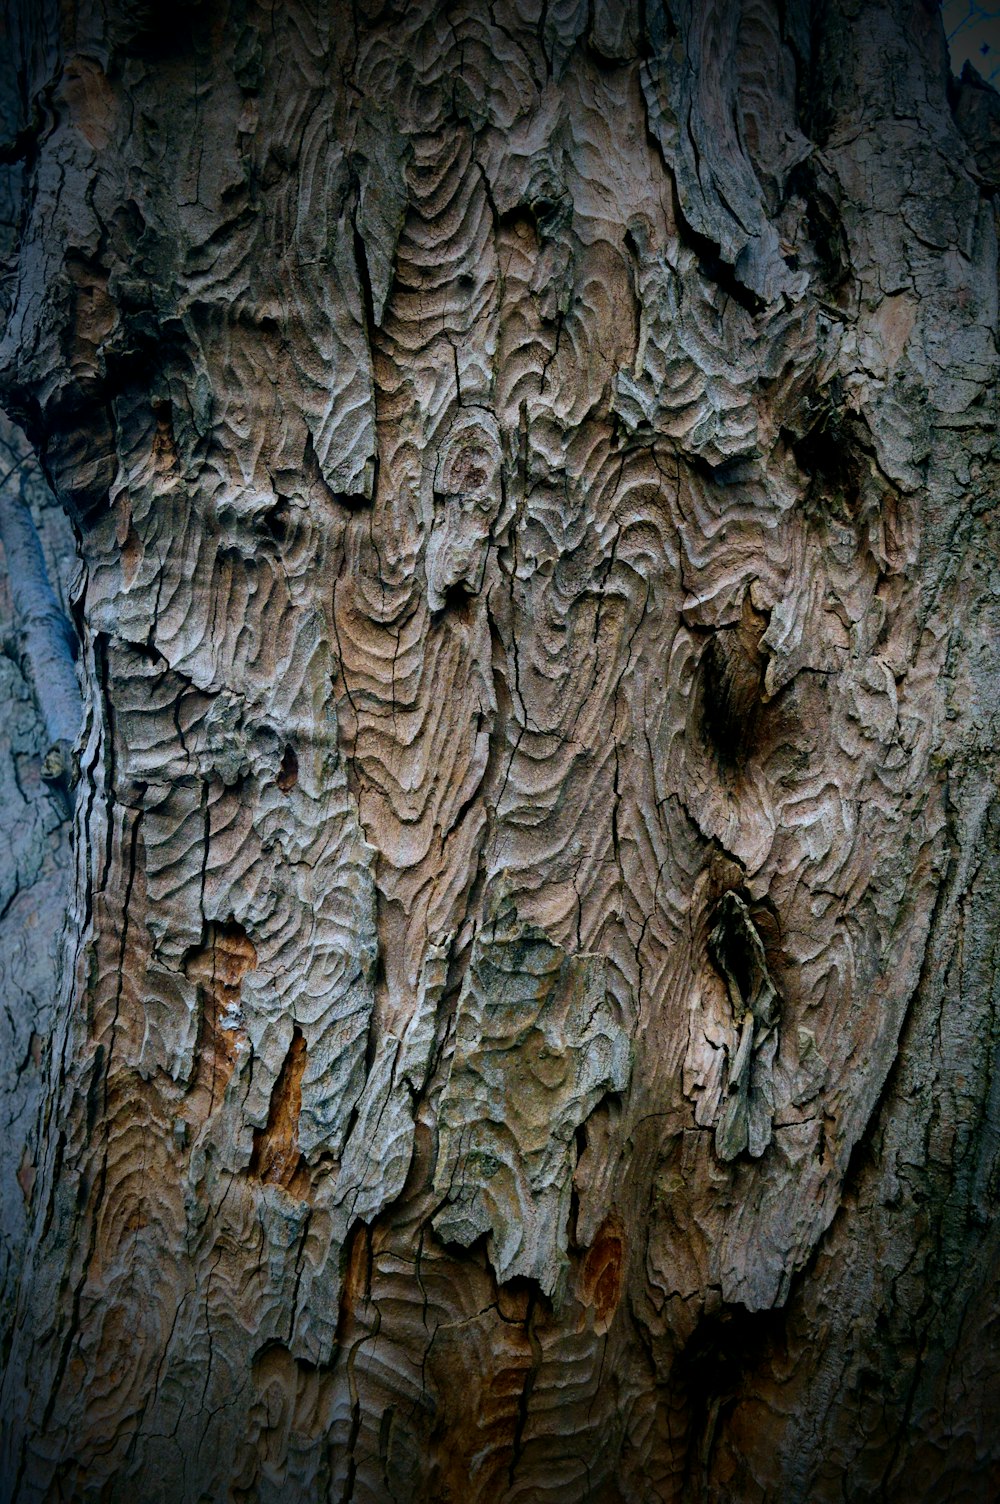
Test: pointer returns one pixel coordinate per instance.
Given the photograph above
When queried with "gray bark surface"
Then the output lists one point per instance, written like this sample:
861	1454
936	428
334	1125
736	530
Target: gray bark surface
36	876
529	1025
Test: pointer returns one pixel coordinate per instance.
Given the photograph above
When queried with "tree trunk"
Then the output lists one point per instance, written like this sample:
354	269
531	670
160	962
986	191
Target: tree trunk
529	1028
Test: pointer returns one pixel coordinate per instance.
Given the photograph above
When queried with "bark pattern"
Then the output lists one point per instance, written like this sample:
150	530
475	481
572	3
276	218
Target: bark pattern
530	1032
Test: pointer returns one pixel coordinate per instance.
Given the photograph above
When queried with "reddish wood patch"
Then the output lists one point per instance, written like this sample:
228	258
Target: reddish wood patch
276	1159
603	1272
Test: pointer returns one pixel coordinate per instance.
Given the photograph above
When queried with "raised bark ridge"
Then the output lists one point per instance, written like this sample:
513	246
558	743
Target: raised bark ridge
531	456
537	1049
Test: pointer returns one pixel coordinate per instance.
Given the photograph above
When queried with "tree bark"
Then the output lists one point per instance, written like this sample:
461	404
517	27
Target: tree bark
530	1027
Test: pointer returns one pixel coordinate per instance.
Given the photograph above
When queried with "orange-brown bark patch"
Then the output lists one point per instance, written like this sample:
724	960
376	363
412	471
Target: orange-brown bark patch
603	1273
276	1159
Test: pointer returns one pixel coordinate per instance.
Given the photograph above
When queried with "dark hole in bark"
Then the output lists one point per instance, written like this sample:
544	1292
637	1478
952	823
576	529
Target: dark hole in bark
830	452
458	602
823	452
542	217
731	687
353	501
158	33
722	1353
288	773
276	521
148	652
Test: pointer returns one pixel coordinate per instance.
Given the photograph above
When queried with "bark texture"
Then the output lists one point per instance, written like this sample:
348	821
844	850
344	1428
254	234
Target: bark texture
531	1028
35	860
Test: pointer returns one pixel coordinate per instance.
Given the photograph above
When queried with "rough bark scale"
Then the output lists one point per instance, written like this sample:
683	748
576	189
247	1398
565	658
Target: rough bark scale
532	1028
